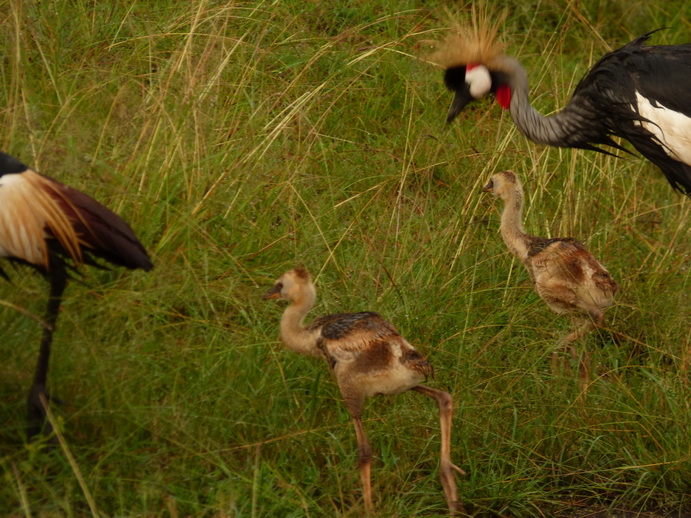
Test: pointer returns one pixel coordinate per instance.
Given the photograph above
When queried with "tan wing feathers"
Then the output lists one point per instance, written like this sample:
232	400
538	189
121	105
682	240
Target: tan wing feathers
28	209
350	346
562	257
604	281
569	258
56	219
38	208
569	278
369	343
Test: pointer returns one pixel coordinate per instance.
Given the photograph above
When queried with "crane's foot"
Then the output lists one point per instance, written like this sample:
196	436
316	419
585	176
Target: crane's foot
458	509
448	482
459	470
37	414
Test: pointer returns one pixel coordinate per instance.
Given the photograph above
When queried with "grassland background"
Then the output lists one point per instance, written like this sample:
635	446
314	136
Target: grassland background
242	138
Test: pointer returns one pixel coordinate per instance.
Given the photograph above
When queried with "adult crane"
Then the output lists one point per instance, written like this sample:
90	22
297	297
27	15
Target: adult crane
45	225
638	92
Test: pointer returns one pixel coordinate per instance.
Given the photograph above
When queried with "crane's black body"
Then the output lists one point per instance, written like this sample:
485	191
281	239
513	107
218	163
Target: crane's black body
661	74
604	104
69	226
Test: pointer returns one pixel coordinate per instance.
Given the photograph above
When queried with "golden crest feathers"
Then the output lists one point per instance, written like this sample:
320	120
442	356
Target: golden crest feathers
476	42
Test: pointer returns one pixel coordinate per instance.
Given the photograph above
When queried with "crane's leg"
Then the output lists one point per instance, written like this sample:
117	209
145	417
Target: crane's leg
583	358
36	410
577	333
597	319
564	344
364	461
446	467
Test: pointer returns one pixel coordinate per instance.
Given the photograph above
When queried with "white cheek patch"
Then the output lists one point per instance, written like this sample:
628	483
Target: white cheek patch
671	128
479	81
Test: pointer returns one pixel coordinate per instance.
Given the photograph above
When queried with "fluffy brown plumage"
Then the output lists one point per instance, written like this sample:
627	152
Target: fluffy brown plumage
46	224
565	275
368	357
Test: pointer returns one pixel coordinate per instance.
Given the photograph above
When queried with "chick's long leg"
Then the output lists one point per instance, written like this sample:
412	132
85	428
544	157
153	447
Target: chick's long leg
446	467
596	320
364	462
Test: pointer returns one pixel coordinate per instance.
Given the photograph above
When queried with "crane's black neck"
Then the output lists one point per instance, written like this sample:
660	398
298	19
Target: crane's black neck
578	125
554	130
534	125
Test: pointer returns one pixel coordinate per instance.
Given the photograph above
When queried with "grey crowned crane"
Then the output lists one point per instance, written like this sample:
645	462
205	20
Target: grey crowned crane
367	356
638	92
45	225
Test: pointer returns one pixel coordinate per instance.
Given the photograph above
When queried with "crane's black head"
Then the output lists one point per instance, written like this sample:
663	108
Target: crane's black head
454	79
468	82
472	82
10	165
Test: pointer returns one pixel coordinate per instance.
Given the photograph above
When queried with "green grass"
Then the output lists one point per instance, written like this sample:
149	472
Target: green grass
240	139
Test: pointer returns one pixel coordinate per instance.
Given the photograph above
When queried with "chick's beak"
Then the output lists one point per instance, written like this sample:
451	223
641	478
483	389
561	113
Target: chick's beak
488	187
273	293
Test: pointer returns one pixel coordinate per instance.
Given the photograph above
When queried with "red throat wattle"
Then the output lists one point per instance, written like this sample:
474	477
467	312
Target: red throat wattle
504	96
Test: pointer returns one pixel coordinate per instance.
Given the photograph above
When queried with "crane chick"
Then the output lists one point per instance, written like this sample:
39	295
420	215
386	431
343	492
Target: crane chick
638	92
368	357
565	275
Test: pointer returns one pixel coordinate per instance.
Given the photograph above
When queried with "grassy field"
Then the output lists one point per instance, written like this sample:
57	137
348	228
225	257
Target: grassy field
242	138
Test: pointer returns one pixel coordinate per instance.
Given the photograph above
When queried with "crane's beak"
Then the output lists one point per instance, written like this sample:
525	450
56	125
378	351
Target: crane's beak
461	98
273	293
488	187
